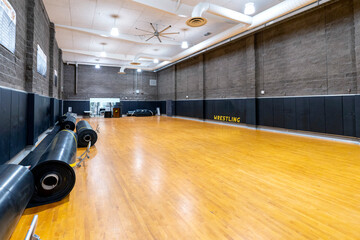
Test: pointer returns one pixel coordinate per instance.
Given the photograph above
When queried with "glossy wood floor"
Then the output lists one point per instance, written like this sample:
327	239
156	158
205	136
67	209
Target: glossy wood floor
164	178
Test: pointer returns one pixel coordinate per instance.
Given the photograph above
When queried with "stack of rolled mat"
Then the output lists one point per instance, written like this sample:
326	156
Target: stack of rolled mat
67	121
16	189
53	173
85	134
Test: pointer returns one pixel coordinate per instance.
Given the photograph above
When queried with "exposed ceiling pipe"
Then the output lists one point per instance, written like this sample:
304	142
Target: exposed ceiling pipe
122	70
197	19
140	55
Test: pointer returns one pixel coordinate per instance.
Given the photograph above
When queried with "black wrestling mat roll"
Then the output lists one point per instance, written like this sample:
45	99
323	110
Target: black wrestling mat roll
53	174
68	123
16	189
85	134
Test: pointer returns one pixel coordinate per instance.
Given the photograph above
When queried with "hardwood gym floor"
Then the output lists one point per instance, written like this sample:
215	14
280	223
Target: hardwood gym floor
165	178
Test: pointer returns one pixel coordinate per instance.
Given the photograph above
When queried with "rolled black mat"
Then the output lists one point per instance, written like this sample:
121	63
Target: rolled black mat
53	174
16	189
68	123
63	117
85	134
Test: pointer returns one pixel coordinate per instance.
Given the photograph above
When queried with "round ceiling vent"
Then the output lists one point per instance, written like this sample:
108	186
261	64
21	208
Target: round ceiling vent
196	22
121	72
135	63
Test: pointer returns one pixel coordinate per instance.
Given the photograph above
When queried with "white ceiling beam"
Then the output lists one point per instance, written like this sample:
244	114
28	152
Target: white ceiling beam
125	37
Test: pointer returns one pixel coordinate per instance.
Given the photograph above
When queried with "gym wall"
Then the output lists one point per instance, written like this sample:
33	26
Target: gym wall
107	83
28	100
308	68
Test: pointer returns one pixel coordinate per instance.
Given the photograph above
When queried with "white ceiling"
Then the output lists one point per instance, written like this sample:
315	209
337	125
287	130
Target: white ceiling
84	46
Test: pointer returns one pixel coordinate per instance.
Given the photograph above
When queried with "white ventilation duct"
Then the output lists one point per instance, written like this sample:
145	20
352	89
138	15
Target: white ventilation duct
138	56
122	70
197	19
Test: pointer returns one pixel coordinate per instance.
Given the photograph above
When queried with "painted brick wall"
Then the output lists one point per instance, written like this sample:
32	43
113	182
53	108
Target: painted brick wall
189	79
106	82
42	38
18	70
12	66
166	84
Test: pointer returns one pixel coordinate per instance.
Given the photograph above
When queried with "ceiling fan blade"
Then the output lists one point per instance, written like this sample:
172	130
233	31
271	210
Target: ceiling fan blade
143	35
153	27
169	33
149	38
165	29
159	39
143	30
168	37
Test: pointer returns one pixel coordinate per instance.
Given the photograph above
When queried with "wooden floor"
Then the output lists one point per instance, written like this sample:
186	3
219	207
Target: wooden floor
164	178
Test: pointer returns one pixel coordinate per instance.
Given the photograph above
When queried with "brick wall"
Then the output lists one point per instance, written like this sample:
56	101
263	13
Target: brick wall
19	70
12	66
316	53
106	82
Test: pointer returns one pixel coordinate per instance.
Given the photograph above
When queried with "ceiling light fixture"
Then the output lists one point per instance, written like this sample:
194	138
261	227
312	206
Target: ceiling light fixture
139	70
114	31
249	8
156	60
181	15
103	53
97	66
184	44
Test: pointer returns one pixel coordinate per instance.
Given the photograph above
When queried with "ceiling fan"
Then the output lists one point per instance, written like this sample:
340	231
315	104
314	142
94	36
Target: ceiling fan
157	33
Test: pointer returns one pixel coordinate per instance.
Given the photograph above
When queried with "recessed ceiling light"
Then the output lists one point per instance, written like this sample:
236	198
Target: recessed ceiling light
184	45
97	66
114	32
156	60
139	70
249	8
181	15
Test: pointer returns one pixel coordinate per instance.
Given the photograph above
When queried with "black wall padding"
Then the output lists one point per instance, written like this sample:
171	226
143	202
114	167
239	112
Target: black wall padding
78	107
317	114
265	112
302	114
150	105
333	114
279	120
170	108
251	116
52	112
54	177
85	134
289	113
5	128
227	107
16	189
68	123
31	136
34	156
357	115
190	108
349	116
